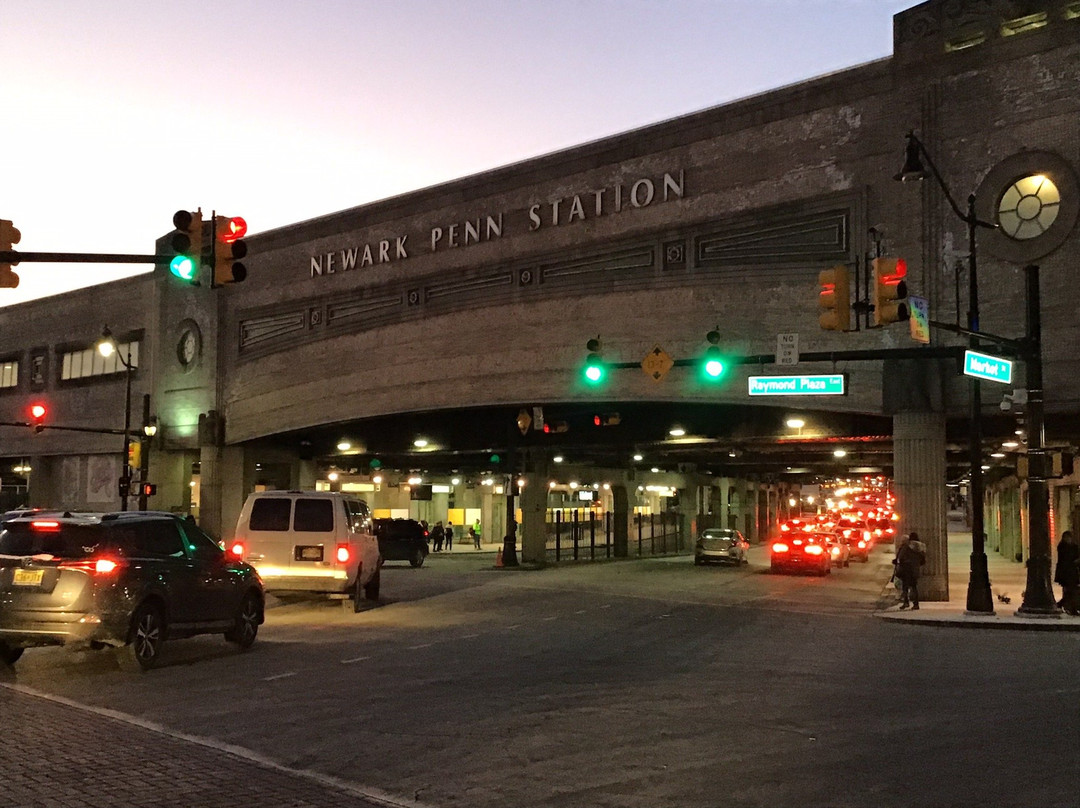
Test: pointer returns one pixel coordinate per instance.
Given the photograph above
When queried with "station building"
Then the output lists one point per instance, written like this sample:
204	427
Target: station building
406	338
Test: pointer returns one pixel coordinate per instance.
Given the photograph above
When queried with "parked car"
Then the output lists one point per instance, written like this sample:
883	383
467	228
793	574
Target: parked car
402	540
126	579
722	545
800	552
310	541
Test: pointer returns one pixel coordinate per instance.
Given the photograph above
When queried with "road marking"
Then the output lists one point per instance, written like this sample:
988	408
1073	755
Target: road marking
549	619
280	676
469	636
354	659
374	795
606	606
580	611
516	625
418	647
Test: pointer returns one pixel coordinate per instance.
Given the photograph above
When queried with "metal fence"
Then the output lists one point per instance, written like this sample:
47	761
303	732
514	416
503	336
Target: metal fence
580	535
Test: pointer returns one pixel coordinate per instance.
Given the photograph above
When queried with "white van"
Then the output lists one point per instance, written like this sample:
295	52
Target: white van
309	541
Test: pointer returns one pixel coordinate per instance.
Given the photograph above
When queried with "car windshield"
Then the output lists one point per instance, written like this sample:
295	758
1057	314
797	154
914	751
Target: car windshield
62	541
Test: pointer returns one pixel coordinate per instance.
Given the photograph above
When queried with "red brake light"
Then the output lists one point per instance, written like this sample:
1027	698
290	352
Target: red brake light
99	566
779	547
343	553
104	566
836	551
236	549
45	524
813	549
862	544
784	528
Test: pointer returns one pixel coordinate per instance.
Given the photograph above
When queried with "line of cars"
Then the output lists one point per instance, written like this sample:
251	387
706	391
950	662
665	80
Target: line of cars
817	543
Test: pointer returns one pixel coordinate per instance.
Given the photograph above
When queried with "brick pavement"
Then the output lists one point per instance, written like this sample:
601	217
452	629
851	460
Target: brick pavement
57	754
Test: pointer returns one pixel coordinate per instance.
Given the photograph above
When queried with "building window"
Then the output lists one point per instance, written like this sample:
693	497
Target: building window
9	373
88	362
1028	207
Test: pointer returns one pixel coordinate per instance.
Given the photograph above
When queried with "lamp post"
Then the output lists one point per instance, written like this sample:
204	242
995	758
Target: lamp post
149	430
107	347
979	596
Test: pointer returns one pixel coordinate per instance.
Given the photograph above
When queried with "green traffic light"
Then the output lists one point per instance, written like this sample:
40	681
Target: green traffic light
183	267
594	373
714	368
715	365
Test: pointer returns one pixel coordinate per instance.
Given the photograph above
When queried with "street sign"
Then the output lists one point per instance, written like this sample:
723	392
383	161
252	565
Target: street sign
990	368
657	363
787	349
919	318
538	419
824	385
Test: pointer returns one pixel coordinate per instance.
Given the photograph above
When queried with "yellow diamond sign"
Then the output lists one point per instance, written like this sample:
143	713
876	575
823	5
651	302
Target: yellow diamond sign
657	363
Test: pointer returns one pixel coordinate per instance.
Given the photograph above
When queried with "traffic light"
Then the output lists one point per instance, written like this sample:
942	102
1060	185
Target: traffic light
9	237
38	413
607	419
834	298
134	454
714	365
890	290
187	243
551	427
148	489
595	369
229	247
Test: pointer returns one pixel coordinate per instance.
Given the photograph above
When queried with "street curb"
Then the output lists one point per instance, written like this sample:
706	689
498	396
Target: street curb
1008	623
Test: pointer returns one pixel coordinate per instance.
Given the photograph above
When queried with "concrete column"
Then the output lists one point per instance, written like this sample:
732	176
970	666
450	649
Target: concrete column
306	474
532	534
620	518
222	496
919	460
722	511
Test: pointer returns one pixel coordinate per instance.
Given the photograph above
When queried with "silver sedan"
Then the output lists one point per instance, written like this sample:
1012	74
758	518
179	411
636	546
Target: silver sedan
722	545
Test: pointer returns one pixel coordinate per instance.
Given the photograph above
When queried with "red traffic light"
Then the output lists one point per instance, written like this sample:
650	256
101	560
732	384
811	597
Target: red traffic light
233	229
38	411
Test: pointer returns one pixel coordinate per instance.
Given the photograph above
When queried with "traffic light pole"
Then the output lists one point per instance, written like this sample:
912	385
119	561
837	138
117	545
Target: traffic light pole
15	257
1039	593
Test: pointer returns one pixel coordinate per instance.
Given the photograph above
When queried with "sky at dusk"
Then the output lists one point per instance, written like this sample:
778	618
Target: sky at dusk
117	113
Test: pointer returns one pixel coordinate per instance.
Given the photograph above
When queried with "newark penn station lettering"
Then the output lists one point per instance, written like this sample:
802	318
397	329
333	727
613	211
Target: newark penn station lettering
641	193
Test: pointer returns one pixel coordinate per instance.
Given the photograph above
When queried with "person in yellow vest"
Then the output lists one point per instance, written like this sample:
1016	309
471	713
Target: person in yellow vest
475	530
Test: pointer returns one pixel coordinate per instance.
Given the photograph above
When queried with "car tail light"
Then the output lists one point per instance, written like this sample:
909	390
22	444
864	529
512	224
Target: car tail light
779	547
813	549
862	544
785	528
45	524
836	551
236	550
98	566
866	535
797	542
343	553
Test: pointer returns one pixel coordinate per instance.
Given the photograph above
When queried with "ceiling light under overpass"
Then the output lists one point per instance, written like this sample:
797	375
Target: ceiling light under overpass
796	423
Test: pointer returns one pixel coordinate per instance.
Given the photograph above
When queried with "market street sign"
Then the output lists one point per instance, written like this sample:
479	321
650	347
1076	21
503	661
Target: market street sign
990	368
826	385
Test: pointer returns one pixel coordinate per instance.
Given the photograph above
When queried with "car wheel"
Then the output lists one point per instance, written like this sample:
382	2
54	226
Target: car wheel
371	589
147	636
417	559
357	594
246	625
9	655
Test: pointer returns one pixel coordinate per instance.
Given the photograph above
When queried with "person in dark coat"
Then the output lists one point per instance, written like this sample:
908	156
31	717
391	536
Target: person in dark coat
1067	573
437	537
909	560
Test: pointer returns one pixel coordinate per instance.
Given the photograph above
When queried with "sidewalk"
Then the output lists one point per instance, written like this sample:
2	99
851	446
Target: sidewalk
1008	579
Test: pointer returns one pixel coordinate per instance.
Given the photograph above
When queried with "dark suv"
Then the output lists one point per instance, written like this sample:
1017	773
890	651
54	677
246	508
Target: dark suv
121	579
401	540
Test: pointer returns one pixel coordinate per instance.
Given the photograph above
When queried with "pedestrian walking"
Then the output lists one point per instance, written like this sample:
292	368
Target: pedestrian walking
1067	573
909	560
474	537
448	535
437	536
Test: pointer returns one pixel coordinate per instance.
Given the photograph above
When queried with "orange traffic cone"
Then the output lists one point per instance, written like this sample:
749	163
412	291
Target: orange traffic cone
498	558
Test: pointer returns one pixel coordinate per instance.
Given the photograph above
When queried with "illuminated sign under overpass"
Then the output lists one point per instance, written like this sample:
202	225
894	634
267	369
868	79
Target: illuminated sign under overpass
831	384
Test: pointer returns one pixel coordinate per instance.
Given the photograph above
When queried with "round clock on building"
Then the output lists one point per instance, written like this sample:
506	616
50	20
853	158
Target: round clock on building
190	345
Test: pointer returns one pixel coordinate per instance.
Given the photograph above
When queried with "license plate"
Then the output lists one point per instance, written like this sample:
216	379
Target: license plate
28	577
309	553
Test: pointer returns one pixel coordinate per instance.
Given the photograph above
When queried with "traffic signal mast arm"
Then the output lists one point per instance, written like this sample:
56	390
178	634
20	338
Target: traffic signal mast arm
13	256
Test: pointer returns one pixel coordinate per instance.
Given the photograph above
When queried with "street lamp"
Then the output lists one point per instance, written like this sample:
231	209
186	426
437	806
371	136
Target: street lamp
107	347
979	595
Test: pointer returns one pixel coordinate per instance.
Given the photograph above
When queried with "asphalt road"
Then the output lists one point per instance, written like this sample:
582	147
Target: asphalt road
642	683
